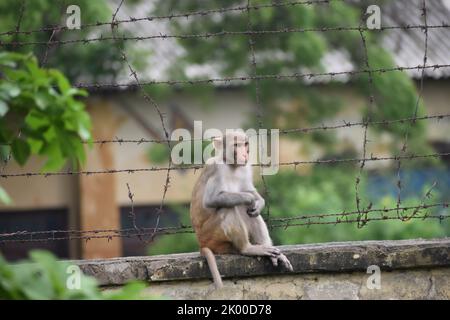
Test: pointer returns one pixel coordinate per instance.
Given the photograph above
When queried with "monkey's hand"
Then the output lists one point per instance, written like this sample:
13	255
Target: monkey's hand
256	208
253	211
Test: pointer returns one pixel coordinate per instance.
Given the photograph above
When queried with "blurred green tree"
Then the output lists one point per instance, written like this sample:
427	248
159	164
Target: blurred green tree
93	62
292	52
40	114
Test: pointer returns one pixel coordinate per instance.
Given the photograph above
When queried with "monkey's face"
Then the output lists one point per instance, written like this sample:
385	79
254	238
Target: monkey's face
234	148
237	149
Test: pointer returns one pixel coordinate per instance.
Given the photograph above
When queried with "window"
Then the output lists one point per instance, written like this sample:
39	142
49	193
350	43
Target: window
33	220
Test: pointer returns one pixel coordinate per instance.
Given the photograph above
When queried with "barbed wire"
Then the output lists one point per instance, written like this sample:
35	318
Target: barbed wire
184	15
294	163
296	75
303	130
217	34
285	222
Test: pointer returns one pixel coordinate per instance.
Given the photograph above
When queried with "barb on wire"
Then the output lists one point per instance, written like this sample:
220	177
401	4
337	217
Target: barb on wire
132	214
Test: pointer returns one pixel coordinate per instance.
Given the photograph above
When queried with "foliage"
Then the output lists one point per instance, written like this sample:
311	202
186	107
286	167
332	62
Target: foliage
40	113
42	277
395	94
292	194
316	193
4	197
42	13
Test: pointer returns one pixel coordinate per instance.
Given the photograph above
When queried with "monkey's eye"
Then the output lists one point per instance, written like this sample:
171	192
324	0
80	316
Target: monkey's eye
246	143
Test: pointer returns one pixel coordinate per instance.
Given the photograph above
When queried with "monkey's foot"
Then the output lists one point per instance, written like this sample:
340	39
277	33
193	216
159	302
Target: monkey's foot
261	250
284	261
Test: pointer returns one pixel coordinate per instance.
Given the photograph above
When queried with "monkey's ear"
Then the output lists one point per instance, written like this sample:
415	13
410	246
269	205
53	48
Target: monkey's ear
218	143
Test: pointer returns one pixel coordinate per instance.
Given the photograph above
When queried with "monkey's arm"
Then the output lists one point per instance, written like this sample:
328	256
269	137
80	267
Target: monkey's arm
214	197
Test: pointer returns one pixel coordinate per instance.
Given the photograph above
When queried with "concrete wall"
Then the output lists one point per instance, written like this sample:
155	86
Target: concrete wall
409	269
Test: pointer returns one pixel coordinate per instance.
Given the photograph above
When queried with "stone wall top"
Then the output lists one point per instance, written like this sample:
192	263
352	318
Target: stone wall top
308	258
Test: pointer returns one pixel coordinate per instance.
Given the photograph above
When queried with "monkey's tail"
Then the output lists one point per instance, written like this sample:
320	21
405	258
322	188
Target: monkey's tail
209	255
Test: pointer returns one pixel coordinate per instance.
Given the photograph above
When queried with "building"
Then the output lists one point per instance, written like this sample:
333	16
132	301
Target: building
91	202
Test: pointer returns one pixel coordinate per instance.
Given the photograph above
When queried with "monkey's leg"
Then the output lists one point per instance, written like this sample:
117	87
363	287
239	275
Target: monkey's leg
237	232
259	234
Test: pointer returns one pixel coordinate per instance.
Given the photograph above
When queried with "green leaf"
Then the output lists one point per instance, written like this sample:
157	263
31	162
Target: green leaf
21	151
4	152
55	158
77	92
36	120
3	108
63	83
35	145
42	100
84	125
12	90
4	197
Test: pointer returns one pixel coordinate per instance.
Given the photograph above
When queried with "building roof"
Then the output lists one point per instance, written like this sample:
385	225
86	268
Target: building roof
406	45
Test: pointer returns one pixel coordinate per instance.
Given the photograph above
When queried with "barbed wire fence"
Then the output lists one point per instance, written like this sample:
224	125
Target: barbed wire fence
361	216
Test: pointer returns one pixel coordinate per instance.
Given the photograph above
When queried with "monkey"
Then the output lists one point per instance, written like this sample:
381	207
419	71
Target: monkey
225	206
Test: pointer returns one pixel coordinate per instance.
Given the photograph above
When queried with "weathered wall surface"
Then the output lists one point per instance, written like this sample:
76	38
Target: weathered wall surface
411	284
410	269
